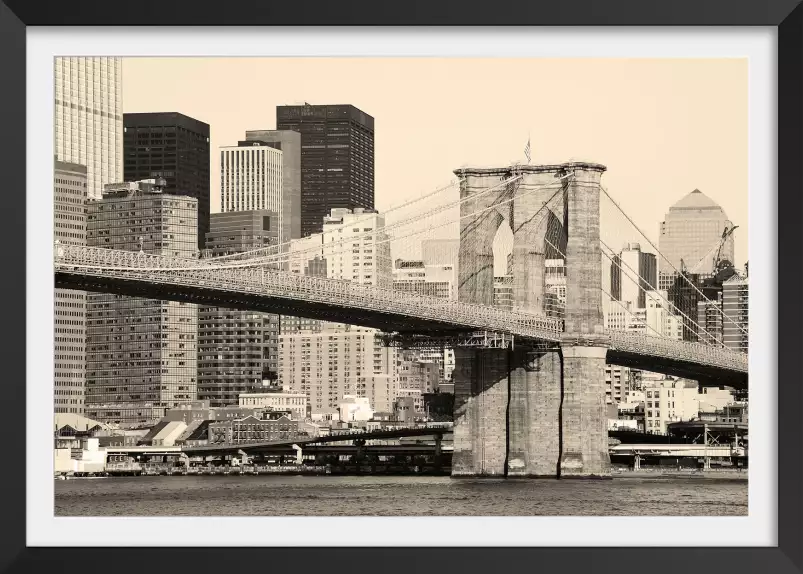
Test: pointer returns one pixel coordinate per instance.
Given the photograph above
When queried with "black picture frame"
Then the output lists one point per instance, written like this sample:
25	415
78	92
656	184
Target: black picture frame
787	15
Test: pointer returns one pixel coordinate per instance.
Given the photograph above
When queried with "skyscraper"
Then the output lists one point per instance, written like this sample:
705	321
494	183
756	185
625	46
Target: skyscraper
735	304
251	179
690	231
289	142
237	350
69	329
89	118
141	353
356	248
338	361
633	273
684	295
174	147
337	159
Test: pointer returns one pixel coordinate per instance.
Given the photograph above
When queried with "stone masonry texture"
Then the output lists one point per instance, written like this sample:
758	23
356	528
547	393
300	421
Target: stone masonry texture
532	412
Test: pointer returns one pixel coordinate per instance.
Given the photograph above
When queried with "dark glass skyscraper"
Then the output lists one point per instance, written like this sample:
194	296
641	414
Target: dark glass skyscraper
337	159
172	146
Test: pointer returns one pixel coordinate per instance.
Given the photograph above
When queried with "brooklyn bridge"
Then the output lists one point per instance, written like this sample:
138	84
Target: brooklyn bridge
529	380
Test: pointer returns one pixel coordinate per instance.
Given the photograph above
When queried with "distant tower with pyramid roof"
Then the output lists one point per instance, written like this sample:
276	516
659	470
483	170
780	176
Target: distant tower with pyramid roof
691	228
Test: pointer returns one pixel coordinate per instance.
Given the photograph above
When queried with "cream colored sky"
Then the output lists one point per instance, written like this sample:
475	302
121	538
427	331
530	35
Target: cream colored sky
662	127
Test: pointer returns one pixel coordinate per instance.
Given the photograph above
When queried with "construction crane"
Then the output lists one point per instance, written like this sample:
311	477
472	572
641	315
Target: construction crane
717	247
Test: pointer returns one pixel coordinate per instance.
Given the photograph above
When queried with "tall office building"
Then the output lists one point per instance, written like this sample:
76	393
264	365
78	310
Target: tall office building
735	304
633	273
289	143
237	350
141	353
174	147
325	360
340	360
251	179
356	248
684	294
89	118
691	229
69	329
305	258
337	159
698	302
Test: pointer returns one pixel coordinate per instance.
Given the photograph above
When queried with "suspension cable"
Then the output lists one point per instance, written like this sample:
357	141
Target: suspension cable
273	256
608	294
654	290
633	223
368	217
249	264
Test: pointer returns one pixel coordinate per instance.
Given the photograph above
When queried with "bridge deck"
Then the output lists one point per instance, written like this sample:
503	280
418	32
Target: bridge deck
261	289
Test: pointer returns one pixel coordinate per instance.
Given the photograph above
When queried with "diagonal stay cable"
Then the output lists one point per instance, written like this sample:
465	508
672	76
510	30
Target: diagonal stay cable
633	223
621	261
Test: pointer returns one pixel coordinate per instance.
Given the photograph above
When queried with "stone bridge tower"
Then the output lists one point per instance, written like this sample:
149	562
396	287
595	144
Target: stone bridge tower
537	411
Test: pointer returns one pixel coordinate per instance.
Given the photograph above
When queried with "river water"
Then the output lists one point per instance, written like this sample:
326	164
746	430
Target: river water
397	496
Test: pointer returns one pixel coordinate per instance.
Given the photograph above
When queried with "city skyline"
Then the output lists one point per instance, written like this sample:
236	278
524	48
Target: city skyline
543	368
662	123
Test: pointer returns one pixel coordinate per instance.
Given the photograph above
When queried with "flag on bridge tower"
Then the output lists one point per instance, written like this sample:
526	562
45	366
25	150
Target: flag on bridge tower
527	149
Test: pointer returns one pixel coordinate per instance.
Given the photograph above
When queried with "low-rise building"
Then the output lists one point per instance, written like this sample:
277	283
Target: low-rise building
668	401
295	403
416	397
438	280
404	409
713	399
253	429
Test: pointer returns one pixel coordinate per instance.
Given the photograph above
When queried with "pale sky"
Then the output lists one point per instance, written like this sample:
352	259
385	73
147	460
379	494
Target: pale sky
663	127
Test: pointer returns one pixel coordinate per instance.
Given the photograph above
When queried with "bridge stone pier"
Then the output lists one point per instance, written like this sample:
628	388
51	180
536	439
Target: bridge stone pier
537	411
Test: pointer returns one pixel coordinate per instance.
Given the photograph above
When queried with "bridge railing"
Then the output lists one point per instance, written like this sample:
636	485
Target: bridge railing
259	280
682	350
167	270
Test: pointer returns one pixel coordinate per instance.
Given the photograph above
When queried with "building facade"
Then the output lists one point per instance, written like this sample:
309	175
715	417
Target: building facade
339	361
69	309
438	280
337	159
253	429
237	349
251	180
305	258
296	403
735	331
656	319
289	143
174	147
617	383
633	273
418	374
691	228
356	248
141	356
684	294
669	401
89	118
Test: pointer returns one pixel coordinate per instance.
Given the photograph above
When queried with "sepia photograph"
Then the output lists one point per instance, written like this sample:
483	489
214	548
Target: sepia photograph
400	286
